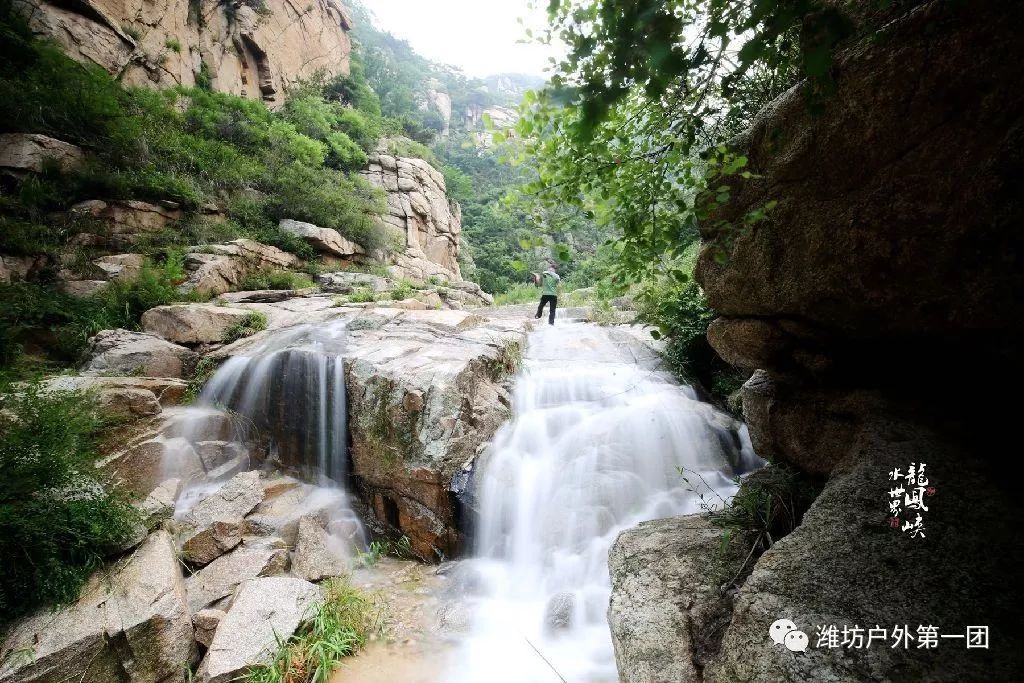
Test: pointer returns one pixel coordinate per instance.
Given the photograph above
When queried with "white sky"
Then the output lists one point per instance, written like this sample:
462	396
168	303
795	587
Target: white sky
479	36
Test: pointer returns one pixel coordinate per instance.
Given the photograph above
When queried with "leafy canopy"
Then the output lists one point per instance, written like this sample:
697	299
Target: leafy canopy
633	125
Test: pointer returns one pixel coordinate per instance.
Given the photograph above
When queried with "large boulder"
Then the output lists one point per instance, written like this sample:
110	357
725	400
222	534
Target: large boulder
211	542
21	152
128	353
129	221
219	268
316	556
15	268
667	612
232	501
193	323
846	566
121	267
324	240
894	248
139	468
265	612
131	623
221	577
344	282
425	390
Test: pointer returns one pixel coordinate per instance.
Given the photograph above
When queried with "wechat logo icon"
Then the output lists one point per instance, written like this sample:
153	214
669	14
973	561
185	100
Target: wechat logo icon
784	632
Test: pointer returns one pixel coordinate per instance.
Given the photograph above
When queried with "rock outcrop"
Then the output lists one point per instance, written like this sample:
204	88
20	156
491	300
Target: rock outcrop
122	352
131	623
219	268
325	240
28	152
193	323
129	221
420	216
667	612
252	49
425	391
893	248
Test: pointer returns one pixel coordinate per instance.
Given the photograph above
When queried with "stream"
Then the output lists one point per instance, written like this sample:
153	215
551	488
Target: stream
600	440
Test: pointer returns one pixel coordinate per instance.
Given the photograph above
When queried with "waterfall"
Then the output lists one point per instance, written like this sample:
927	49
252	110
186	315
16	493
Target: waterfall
600	440
292	389
287	394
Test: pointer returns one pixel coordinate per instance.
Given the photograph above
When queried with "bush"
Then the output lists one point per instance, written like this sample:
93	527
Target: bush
681	314
339	628
329	199
404	147
518	294
57	519
40	315
246	327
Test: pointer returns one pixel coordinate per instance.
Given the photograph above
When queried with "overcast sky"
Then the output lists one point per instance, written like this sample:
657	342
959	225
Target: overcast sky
478	36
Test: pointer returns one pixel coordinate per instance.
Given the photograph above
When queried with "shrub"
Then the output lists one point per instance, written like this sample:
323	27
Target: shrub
57	519
681	314
362	295
769	504
518	294
340	626
403	290
404	147
173	44
330	199
246	327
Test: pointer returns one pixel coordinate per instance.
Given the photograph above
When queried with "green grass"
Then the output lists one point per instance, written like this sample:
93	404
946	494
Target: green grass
252	323
275	279
203	372
402	549
58	519
340	626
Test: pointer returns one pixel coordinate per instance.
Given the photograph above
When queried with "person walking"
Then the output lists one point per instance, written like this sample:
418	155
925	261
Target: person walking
549	284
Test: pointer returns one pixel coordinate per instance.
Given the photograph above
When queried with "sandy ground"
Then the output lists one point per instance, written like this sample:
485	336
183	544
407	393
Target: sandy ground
410	650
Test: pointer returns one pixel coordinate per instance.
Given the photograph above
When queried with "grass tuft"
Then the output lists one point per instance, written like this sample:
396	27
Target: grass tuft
341	625
252	323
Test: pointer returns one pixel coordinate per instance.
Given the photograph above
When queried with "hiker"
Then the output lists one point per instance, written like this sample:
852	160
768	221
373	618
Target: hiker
549	283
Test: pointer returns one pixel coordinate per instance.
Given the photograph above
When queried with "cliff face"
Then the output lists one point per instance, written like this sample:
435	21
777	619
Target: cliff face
894	248
255	48
881	305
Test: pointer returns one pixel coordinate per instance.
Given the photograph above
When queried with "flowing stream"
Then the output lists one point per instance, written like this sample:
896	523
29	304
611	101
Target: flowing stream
601	439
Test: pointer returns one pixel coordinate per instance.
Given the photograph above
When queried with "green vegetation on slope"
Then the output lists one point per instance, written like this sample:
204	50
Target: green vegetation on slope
191	146
57	518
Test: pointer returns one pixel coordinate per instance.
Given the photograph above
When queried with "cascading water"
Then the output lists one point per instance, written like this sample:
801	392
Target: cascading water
292	388
288	392
600	441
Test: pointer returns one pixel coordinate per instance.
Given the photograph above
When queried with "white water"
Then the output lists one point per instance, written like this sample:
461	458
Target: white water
289	391
595	446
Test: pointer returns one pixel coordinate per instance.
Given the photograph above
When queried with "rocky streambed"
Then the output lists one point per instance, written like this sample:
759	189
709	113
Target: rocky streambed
235	538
